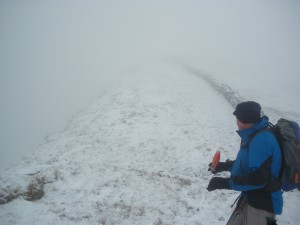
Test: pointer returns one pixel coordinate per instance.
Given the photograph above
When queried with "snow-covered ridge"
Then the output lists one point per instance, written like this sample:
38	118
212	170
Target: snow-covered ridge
233	97
139	155
230	95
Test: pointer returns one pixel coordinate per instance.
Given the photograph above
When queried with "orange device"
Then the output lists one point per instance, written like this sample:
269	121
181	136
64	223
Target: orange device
215	161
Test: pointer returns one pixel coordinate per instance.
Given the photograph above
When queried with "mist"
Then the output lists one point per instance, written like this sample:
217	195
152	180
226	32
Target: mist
57	57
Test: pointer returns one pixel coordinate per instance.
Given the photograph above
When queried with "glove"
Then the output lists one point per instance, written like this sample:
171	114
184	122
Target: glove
271	221
222	166
218	183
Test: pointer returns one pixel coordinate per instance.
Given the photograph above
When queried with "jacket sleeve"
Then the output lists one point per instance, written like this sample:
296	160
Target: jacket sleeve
259	155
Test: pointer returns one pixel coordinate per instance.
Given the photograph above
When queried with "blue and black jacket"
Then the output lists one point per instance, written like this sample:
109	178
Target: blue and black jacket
256	164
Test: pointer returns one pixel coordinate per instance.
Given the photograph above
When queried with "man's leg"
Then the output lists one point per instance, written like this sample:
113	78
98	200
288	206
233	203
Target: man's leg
245	214
257	216
239	214
237	218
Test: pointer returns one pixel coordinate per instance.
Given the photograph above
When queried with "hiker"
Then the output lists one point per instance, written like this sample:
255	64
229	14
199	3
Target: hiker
254	170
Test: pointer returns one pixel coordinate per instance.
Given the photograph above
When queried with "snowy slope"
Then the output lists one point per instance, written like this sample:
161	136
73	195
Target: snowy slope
139	155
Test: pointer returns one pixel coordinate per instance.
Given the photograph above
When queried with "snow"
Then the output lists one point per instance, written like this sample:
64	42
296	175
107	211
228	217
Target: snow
139	155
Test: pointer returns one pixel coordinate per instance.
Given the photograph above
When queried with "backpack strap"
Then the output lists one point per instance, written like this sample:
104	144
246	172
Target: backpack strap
270	128
273	183
251	136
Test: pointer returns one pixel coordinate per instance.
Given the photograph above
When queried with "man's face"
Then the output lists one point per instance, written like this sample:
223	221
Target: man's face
243	126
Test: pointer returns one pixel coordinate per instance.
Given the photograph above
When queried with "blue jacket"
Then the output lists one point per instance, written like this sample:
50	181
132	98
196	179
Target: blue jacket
255	165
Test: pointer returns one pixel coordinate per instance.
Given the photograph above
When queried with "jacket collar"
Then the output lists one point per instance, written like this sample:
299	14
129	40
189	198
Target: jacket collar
244	134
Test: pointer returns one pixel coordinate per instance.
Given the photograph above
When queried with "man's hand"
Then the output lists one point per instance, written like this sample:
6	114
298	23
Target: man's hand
222	166
218	183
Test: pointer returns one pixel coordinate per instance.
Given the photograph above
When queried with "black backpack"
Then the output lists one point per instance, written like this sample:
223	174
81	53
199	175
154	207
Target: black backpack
287	134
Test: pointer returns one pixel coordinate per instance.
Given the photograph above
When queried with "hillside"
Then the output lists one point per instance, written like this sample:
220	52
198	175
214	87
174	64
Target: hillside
138	155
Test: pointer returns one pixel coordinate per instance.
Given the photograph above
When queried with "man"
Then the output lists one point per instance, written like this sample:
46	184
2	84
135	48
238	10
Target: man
255	170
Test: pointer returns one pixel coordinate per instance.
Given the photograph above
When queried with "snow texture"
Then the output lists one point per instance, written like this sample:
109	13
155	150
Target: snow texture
139	155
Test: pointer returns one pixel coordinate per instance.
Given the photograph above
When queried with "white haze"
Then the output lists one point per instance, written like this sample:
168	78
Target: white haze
57	57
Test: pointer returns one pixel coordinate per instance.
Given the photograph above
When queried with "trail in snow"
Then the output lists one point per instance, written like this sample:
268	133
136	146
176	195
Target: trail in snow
137	156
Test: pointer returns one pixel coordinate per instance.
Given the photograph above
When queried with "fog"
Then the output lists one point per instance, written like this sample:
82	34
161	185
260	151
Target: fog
57	57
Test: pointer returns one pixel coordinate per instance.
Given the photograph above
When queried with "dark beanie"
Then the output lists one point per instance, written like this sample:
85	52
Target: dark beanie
248	112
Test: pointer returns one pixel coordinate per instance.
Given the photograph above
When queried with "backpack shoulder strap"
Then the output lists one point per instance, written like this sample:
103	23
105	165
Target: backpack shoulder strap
273	183
247	144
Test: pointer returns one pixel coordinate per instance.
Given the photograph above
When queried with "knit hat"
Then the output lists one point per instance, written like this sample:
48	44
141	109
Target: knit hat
248	112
